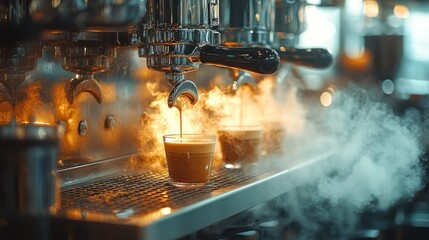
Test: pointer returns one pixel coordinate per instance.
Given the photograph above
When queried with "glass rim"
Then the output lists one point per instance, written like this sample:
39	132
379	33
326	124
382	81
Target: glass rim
28	131
254	127
205	137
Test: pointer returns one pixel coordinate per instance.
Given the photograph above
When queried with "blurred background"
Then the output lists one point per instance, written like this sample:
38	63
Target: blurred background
89	87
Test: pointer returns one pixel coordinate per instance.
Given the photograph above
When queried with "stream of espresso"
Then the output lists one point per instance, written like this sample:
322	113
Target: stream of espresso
241	110
179	107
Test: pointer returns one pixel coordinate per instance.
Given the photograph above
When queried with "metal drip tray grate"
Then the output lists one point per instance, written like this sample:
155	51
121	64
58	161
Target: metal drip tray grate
146	204
144	192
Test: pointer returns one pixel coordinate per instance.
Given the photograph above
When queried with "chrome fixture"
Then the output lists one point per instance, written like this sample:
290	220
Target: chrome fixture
16	60
93	15
289	24
88	33
177	36
246	23
86	53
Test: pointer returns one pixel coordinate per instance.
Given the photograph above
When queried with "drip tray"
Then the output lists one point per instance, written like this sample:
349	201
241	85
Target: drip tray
146	206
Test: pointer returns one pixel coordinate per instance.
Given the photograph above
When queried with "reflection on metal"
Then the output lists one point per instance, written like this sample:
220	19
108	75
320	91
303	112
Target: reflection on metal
82	128
170	36
247	23
94	15
109	122
4	96
165	210
62	127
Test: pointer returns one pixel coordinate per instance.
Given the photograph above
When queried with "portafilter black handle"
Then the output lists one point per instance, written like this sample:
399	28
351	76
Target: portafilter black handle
253	59
309	57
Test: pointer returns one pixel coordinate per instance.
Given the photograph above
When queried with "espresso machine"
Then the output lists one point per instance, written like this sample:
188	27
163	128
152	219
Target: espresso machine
74	75
274	24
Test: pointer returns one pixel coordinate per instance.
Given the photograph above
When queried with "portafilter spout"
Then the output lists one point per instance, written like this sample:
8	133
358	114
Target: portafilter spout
241	78
86	54
181	87
83	83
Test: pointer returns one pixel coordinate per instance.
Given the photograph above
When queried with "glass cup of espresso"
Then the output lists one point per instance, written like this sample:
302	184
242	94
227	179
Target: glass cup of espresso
240	145
189	159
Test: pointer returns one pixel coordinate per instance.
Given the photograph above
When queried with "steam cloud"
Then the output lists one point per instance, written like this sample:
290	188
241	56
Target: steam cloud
376	167
215	106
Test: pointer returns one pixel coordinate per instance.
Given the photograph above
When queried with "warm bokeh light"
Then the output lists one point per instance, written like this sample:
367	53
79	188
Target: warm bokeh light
388	86
370	8
326	99
6	112
70	114
31	108
401	11
165	211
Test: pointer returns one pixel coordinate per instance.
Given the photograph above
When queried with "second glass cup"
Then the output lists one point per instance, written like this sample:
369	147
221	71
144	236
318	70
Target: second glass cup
240	145
189	158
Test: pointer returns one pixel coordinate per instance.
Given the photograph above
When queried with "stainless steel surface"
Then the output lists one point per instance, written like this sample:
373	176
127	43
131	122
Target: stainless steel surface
172	31
93	14
28	164
177	36
16	61
71	176
110	122
247	22
146	200
289	22
86	54
15	24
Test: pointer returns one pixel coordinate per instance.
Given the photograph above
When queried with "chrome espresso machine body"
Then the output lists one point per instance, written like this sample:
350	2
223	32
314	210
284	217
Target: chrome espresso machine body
81	68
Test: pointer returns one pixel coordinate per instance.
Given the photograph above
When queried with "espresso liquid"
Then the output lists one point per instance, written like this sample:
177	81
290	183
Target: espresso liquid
189	162
240	146
179	107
